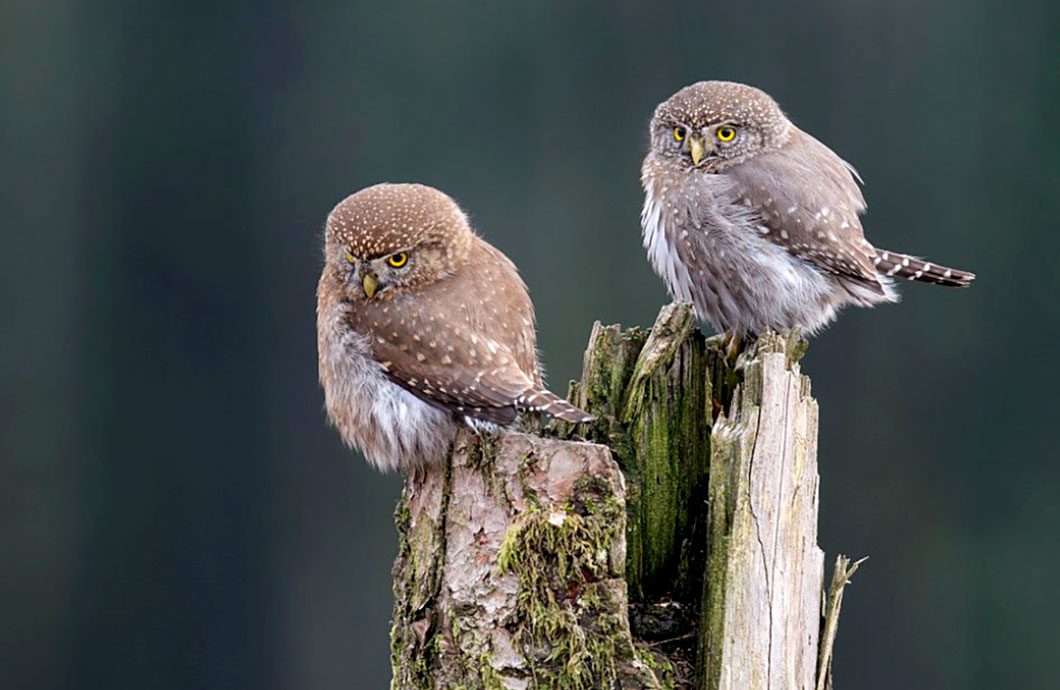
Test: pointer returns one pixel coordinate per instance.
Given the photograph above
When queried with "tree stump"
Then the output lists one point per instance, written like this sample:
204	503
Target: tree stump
510	573
671	543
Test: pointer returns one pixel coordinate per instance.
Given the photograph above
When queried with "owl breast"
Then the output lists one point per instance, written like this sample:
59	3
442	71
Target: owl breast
391	427
708	249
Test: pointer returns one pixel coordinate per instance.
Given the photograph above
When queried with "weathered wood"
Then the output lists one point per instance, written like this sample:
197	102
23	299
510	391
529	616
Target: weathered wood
655	407
765	572
510	571
654	410
844	570
520	558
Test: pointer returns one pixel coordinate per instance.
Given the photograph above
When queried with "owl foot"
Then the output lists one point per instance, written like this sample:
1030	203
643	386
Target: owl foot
733	342
716	408
795	345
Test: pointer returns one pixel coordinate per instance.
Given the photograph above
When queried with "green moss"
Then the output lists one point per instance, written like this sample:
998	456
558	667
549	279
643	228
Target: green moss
668	418
572	627
416	574
473	668
482	448
656	398
490	677
660	667
725	459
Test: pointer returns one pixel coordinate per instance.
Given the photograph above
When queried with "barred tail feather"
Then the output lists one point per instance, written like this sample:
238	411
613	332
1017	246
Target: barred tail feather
913	268
545	401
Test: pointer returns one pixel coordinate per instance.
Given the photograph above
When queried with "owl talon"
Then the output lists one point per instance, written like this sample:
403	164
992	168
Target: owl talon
716	408
733	342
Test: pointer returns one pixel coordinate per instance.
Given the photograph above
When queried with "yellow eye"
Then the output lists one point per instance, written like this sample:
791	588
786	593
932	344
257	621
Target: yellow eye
349	257
726	134
398	260
679	133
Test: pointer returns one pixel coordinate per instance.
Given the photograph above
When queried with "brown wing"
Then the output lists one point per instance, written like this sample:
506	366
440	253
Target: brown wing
486	387
808	201
464	343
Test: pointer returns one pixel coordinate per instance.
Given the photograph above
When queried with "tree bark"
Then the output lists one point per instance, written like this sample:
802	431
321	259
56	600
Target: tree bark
510	571
765	572
671	543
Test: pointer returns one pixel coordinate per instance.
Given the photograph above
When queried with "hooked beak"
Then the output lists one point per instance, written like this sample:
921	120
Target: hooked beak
370	284
698	148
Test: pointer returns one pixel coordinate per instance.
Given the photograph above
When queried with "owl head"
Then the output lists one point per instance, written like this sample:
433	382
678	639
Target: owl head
392	238
713	124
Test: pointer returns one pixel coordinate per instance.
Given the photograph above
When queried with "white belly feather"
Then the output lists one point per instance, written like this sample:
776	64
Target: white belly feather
392	427
736	278
661	250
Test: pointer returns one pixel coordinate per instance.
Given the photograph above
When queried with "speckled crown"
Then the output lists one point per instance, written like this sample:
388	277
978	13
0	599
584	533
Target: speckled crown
710	102
386	218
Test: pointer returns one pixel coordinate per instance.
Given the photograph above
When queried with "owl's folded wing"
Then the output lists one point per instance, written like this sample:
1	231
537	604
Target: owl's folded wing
807	201
480	380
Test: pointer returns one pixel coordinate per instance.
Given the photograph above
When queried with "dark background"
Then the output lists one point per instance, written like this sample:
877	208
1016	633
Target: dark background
175	511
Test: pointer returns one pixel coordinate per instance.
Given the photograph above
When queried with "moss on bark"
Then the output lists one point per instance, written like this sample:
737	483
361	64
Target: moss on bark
530	562
655	396
510	571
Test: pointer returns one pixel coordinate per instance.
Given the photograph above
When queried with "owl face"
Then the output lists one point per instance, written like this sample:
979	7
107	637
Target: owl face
369	278
705	146
391	238
713	124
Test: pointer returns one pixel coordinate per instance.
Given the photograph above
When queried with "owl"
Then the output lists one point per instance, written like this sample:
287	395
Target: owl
422	326
756	222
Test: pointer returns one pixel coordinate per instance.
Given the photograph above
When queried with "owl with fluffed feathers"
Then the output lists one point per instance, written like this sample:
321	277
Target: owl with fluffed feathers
756	222
422	326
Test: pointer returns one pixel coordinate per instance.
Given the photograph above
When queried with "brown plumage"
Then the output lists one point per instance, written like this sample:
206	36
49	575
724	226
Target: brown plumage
422	325
755	221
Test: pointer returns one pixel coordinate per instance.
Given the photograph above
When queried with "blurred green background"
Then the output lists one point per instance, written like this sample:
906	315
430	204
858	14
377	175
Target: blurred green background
175	511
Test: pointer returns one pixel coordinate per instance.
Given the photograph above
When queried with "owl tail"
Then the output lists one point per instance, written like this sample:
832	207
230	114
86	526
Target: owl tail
912	268
545	401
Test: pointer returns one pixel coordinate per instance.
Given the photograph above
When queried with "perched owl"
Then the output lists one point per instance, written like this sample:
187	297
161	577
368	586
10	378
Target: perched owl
756	222
421	326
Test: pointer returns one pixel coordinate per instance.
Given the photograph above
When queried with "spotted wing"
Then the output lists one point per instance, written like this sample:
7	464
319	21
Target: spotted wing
807	200
466	344
469	376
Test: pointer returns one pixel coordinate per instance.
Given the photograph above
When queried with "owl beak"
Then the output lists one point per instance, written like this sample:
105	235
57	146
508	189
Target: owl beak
370	284
698	148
